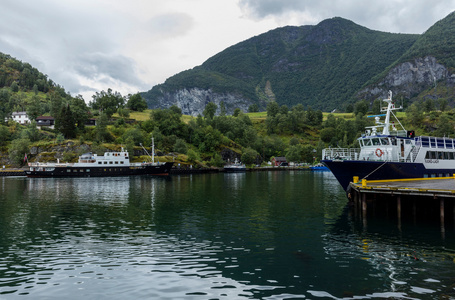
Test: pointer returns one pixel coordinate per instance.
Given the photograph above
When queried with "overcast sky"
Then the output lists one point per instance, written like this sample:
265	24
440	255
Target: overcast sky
92	45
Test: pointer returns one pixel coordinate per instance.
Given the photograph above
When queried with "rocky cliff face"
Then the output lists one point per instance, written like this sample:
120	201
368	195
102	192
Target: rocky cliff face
193	101
410	79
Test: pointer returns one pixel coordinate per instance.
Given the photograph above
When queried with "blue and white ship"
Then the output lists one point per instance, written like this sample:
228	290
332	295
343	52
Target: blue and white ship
388	153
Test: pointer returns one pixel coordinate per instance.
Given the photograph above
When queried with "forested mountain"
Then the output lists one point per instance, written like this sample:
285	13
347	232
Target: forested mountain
325	66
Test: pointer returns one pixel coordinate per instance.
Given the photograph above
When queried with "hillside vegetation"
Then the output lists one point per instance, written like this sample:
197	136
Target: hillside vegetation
322	66
327	66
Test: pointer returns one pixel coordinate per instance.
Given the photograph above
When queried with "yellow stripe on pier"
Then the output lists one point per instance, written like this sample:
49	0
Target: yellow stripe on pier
435	186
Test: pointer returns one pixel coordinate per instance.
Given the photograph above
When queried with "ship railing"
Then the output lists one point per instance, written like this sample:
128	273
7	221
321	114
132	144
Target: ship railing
341	153
435	142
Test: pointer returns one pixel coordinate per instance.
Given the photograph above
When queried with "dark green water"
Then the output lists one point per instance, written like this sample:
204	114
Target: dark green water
265	235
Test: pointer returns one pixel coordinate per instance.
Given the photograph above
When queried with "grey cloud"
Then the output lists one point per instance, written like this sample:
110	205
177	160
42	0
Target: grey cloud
99	66
403	16
264	8
170	25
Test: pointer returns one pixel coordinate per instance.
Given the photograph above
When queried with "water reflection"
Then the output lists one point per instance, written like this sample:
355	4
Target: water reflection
265	235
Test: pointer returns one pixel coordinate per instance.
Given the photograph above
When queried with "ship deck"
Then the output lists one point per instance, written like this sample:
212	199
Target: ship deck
427	187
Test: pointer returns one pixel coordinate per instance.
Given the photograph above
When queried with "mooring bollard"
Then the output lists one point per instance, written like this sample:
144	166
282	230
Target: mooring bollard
355	179
364	183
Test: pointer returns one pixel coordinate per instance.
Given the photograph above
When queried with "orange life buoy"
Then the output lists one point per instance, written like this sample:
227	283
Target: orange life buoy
379	152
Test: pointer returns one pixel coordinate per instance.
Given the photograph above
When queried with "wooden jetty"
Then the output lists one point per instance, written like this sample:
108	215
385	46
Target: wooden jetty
425	196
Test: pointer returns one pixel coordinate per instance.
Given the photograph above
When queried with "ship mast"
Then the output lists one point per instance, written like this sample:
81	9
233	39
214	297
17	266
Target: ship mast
389	109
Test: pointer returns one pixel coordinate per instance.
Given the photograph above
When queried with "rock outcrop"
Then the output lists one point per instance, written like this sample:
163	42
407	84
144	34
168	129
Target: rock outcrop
193	101
410	78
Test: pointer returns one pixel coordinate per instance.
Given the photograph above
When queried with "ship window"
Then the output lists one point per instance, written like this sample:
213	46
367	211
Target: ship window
121	162
425	175
432	154
440	143
449	143
427	155
105	162
74	170
394	141
88	170
68	170
425	142
116	162
376	141
367	142
447	175
450	155
433	175
446	155
110	163
440	155
408	142
99	163
384	141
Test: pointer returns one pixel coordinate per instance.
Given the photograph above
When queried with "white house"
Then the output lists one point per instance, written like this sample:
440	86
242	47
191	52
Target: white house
20	117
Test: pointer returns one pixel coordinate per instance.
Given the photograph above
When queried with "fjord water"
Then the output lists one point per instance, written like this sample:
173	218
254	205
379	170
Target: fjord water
258	235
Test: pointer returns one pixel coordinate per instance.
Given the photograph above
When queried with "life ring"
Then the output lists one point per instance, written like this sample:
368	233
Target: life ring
379	152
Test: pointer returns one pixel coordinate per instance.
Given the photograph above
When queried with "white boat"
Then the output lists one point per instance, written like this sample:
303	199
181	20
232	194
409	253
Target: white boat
389	153
93	165
235	167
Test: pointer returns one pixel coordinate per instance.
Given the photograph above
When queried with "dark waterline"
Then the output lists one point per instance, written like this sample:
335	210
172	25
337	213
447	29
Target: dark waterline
265	235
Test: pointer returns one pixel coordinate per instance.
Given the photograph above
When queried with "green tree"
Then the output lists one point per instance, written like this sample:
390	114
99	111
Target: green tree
415	114
327	134
135	134
444	125
136	102
14	87
32	132
34	109
5	135
216	160
249	156
107	102
222	108
294	153
80	111
169	121
361	107
210	110
253	108
193	157
237	111
272	109
376	109
101	132
17	150
443	103
180	146
65	122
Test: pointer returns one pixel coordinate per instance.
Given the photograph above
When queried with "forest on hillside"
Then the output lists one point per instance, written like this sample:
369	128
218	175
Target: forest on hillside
212	139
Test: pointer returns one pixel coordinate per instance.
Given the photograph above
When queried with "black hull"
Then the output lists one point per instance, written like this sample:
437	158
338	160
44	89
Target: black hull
110	171
344	171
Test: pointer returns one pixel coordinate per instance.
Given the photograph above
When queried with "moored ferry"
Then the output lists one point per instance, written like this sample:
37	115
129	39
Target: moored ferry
389	153
93	165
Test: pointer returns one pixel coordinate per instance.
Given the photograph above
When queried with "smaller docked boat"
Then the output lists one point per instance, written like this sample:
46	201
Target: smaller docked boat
93	165
235	167
319	167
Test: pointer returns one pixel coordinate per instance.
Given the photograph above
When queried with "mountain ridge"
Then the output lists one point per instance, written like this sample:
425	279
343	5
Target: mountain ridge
326	66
